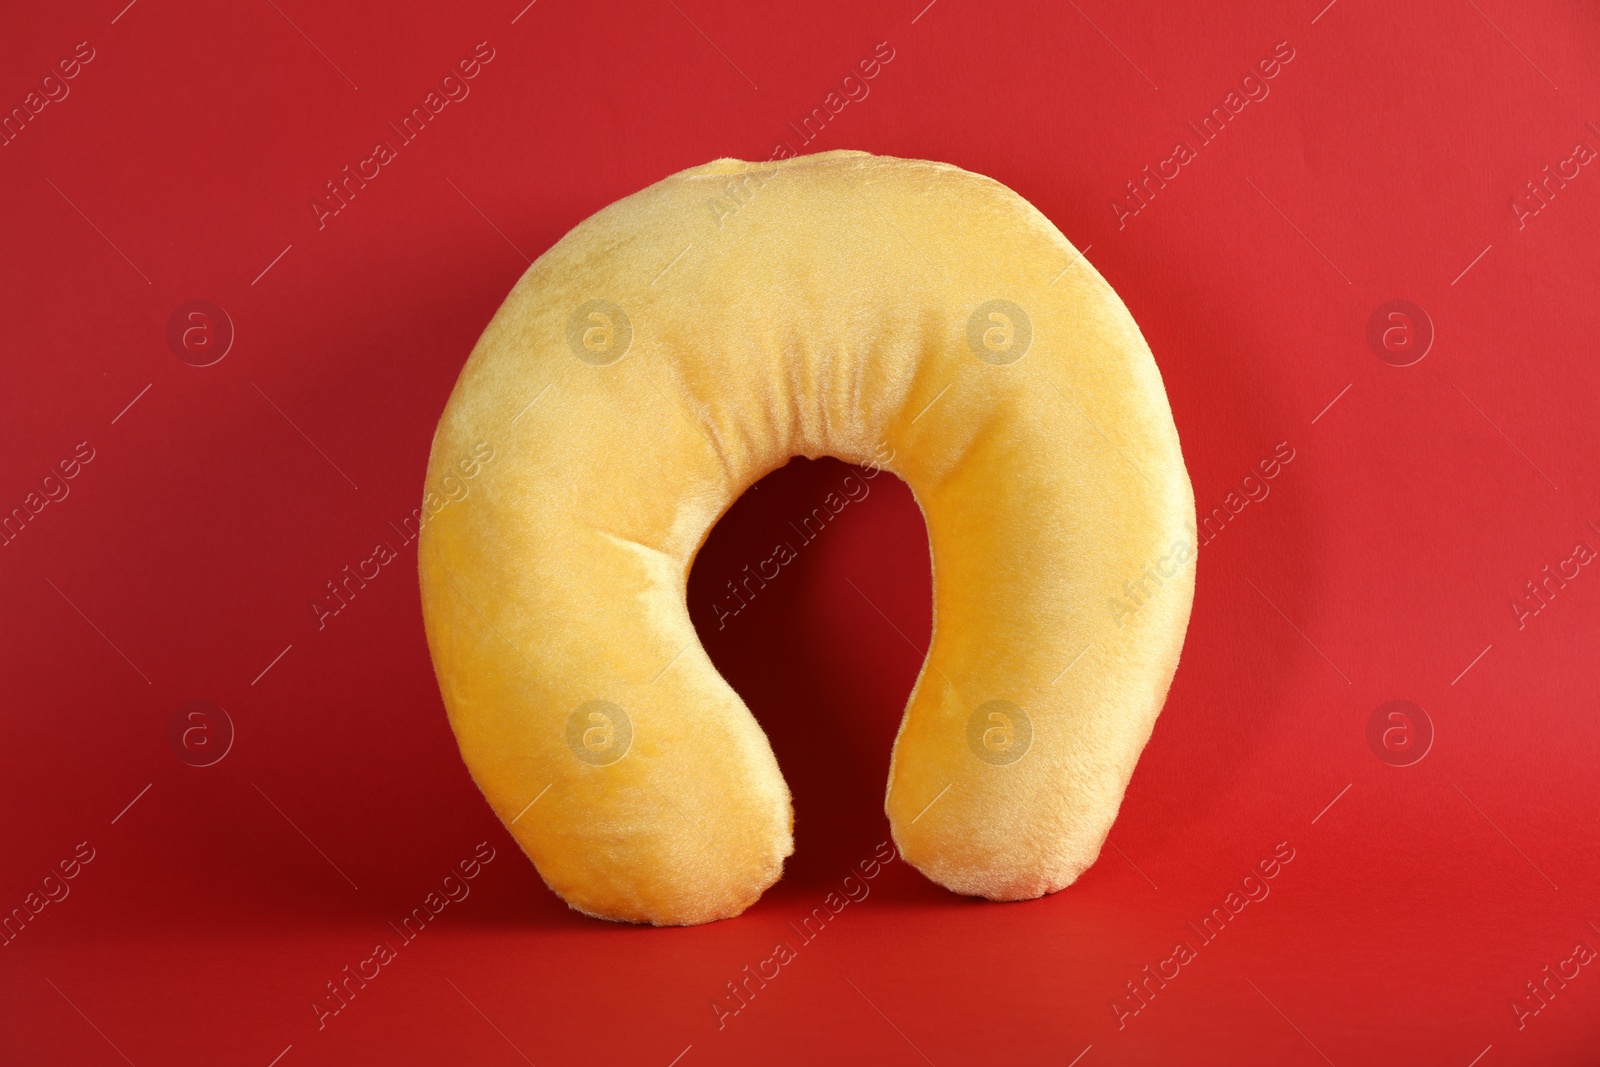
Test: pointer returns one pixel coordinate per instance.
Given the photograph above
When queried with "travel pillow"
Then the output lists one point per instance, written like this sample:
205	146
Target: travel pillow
670	351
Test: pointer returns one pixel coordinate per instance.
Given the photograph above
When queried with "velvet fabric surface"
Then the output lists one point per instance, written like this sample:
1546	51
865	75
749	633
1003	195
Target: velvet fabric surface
685	341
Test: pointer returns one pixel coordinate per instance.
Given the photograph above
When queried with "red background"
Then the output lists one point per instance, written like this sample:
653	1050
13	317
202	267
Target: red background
1383	562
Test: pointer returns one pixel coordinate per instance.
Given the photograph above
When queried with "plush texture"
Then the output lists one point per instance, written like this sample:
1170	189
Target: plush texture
842	305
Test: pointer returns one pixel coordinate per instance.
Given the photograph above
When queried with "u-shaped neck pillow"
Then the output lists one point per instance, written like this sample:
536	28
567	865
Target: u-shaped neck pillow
685	341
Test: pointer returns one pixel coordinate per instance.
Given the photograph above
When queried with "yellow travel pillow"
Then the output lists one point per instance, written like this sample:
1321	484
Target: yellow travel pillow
669	352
